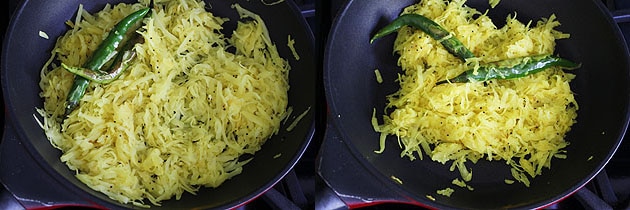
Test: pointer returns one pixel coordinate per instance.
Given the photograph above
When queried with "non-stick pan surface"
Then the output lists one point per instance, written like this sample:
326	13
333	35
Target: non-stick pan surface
601	89
24	53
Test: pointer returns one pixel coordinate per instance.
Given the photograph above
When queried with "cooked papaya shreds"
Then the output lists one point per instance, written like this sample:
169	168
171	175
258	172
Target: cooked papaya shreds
521	121
188	107
446	192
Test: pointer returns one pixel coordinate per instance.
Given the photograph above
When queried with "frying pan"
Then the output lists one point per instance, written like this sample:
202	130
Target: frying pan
601	90
24	52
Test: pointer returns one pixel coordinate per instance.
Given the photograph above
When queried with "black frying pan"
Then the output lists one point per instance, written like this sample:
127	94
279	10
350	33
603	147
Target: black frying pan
601	87
24	52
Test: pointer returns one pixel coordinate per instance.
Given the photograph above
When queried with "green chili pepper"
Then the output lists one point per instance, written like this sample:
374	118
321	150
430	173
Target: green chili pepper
512	68
118	66
102	55
452	44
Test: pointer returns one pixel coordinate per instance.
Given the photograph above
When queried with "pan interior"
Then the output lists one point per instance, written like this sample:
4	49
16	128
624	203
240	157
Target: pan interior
25	52
601	89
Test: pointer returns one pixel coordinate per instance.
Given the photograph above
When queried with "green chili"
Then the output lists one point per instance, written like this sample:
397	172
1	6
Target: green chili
118	66
512	68
102	55
452	44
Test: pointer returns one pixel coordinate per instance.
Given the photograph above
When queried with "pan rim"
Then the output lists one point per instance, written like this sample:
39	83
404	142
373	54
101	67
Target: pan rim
12	115
333	101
